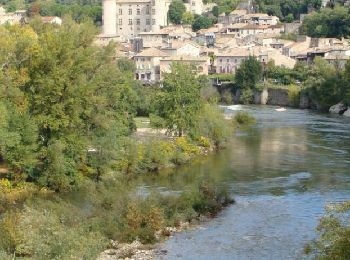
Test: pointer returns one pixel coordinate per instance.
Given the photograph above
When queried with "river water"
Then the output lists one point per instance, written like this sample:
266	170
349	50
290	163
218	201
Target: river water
281	173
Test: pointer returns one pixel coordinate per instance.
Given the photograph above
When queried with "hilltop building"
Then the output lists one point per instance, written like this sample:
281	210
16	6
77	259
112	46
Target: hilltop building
126	19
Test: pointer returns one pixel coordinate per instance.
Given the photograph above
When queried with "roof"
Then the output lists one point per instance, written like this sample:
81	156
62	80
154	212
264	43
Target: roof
179	44
151	52
255	26
47	19
185	58
239	12
132	1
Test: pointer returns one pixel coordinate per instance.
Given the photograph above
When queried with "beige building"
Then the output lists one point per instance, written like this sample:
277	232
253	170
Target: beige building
182	48
148	65
194	6
230	61
12	18
127	18
200	64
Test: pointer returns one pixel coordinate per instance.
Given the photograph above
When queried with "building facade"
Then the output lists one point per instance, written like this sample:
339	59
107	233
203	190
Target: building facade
128	18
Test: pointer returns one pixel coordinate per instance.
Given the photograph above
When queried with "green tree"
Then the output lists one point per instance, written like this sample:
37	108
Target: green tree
249	73
187	18
65	95
179	101
201	22
176	11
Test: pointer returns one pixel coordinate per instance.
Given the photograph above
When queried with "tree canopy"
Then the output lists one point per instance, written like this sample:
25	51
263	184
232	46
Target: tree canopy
180	99
176	11
60	98
328	23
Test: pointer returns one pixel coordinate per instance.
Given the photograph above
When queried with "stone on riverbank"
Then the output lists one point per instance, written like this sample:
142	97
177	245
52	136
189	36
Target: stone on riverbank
339	108
347	113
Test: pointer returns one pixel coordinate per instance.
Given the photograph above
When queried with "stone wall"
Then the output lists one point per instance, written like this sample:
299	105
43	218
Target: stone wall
292	27
278	97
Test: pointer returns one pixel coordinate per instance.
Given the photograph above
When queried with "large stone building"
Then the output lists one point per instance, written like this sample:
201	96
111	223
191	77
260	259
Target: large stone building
126	19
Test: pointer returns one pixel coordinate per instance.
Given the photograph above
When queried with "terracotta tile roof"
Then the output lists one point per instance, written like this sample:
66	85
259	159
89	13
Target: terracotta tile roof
151	52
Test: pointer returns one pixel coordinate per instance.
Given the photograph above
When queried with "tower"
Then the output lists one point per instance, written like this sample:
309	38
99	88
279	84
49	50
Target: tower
109	17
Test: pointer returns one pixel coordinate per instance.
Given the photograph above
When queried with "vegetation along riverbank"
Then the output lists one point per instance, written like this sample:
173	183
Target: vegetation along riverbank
69	152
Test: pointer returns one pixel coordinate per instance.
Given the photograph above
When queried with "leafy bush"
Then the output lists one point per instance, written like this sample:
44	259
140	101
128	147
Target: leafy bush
294	95
244	119
246	96
334	229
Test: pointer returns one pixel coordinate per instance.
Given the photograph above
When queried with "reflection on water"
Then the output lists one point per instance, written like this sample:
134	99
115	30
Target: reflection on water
281	173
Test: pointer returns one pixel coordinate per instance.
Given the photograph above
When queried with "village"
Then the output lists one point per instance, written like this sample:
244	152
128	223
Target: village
144	35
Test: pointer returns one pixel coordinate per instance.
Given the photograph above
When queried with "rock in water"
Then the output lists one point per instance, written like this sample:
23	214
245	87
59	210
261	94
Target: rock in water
339	109
347	113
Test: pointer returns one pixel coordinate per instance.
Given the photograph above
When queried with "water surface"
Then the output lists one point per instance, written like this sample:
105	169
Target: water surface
281	173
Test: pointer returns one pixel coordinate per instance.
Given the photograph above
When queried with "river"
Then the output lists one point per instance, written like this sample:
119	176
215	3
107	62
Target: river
281	173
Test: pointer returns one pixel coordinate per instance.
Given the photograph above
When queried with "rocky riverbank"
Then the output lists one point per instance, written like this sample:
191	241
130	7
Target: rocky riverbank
138	251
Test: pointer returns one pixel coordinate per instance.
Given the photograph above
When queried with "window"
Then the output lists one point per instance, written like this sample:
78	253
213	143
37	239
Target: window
153	3
130	11
120	11
130	21
147	9
153	21
148	22
120	21
220	60
153	11
138	11
138	22
228	60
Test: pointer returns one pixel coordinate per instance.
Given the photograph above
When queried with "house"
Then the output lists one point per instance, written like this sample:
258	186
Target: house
52	20
17	17
160	37
200	64
182	48
260	19
148	64
235	16
230	61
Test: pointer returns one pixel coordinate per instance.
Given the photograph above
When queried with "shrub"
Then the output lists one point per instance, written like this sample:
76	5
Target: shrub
334	229
246	96
294	95
244	119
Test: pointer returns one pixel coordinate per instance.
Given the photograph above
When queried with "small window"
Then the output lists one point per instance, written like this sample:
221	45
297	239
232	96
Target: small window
120	11
130	21
148	22
130	11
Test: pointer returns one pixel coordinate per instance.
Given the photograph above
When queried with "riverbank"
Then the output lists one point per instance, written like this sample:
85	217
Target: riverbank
113	208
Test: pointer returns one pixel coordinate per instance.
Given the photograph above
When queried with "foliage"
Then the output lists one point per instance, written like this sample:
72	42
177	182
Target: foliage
288	36
176	11
334	229
328	23
212	125
179	101
187	18
247	96
244	119
249	73
328	85
294	95
201	22
60	95
286	10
